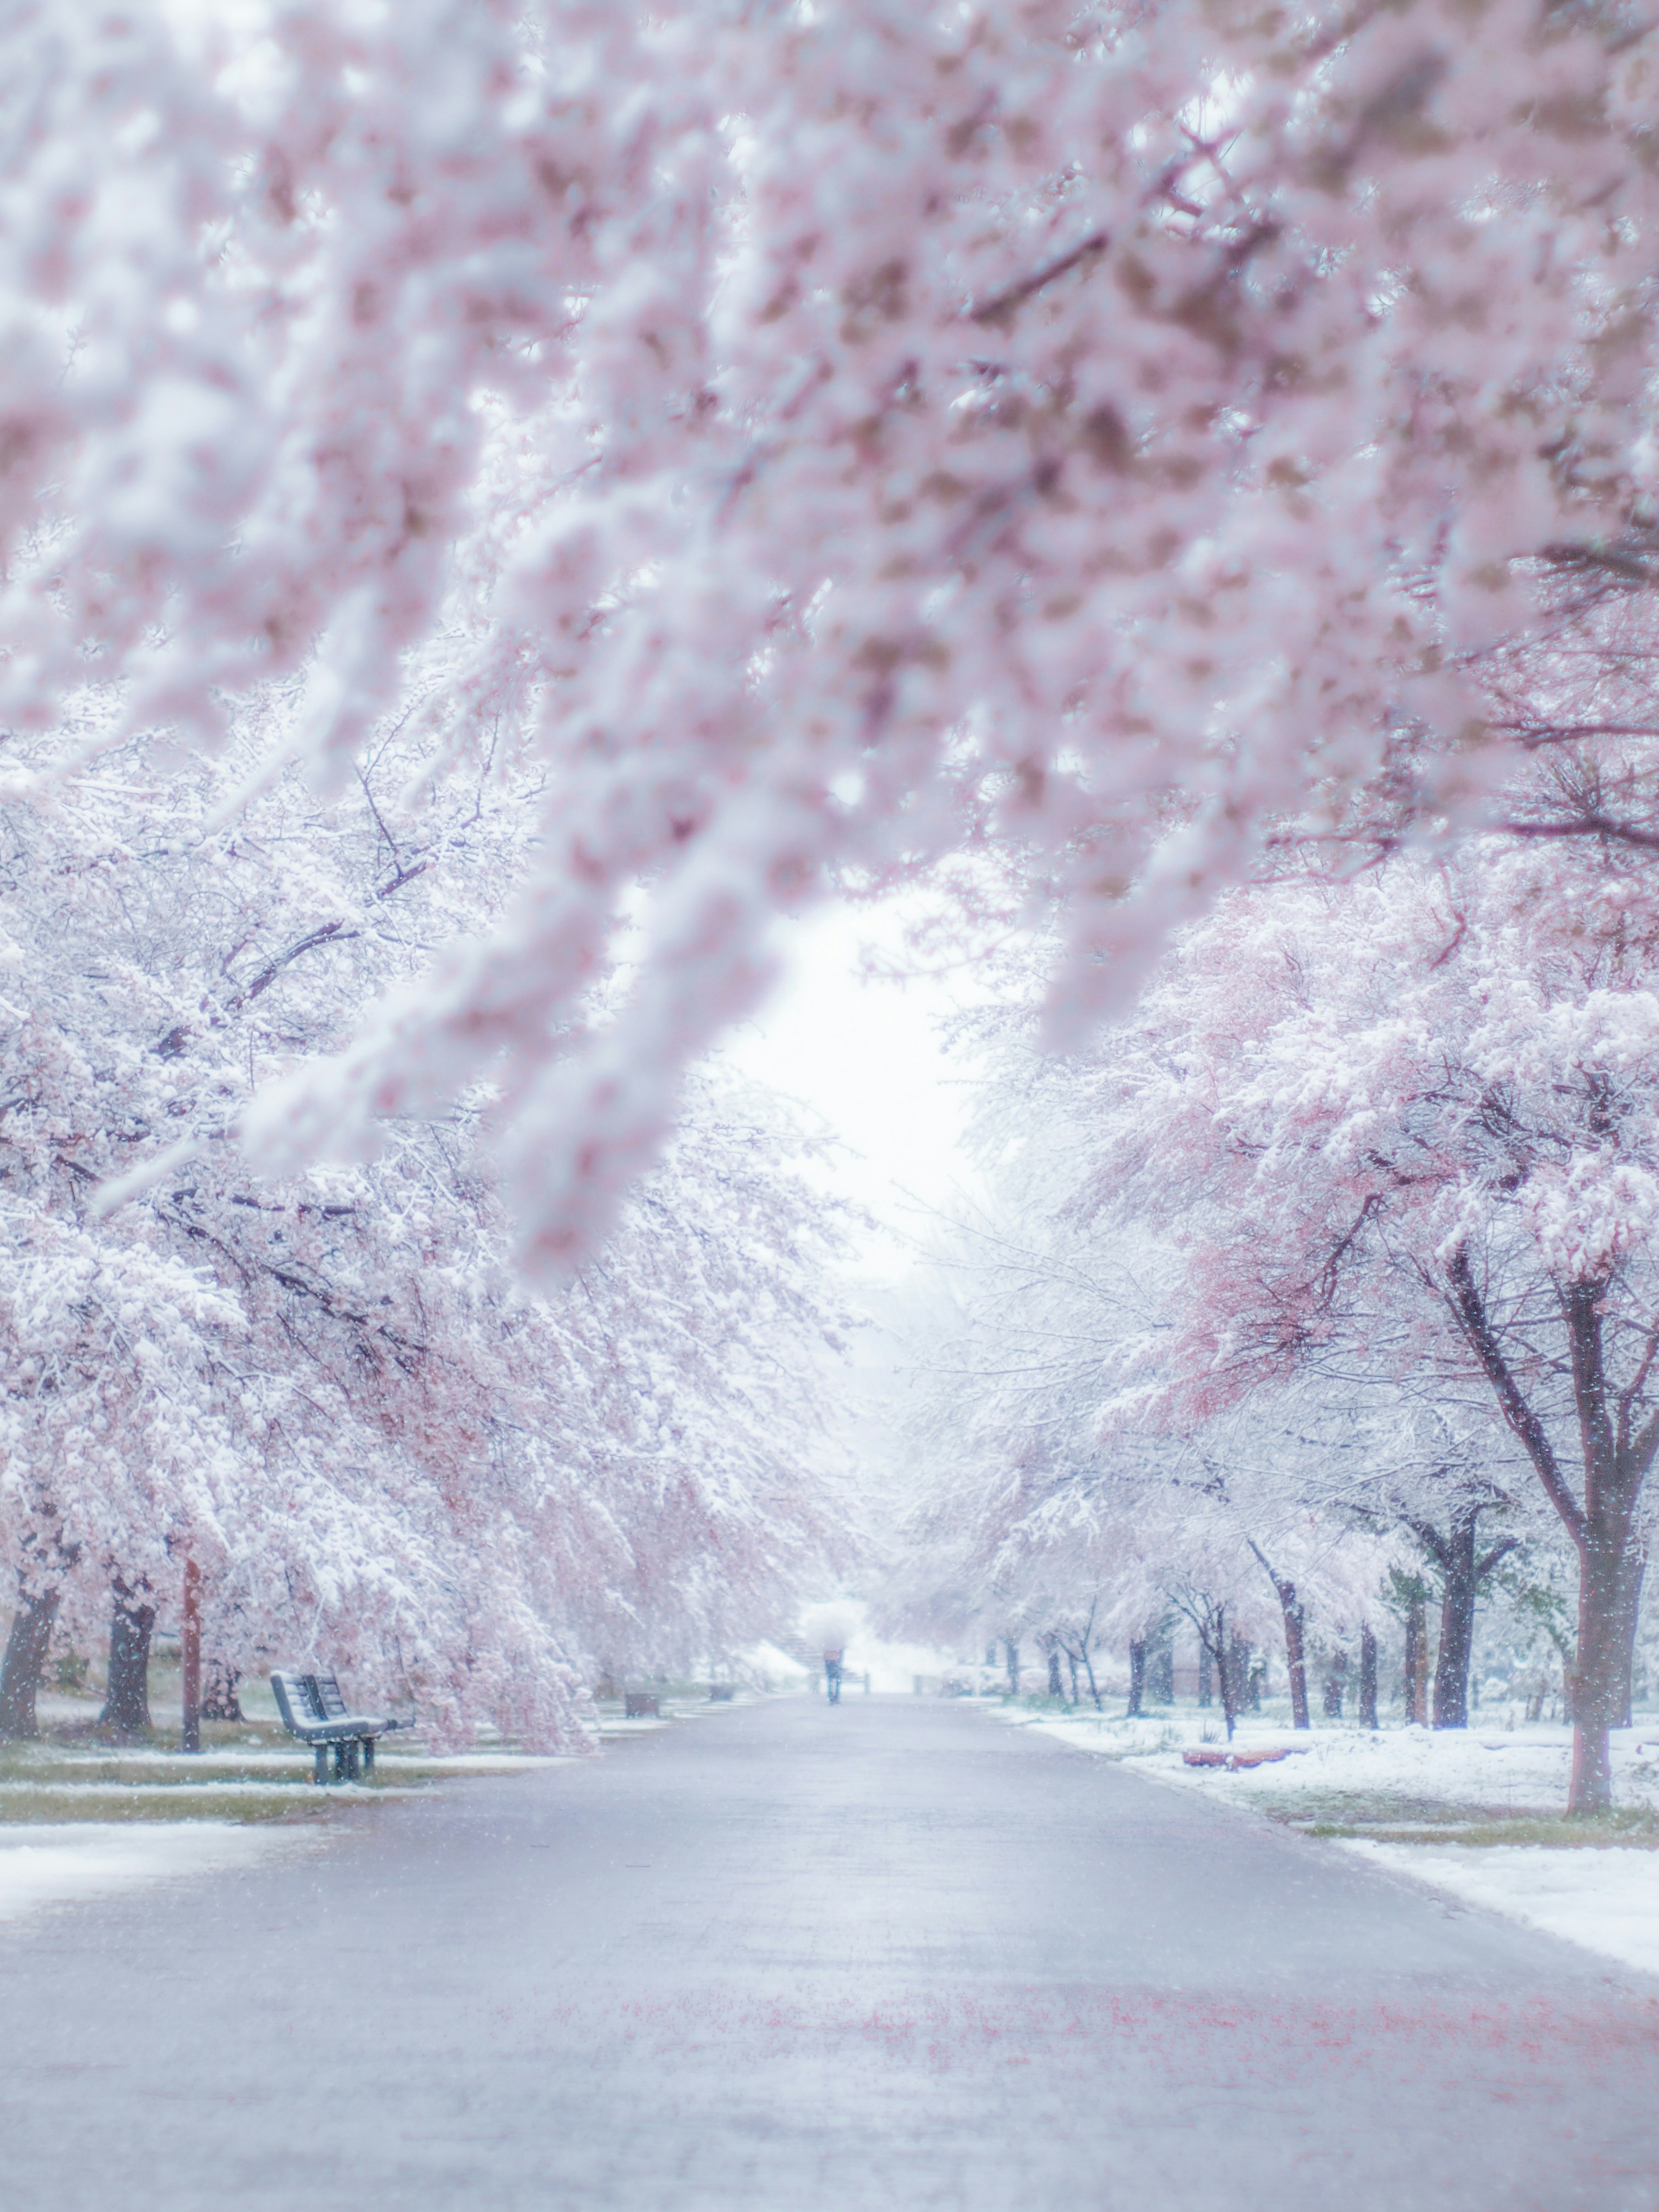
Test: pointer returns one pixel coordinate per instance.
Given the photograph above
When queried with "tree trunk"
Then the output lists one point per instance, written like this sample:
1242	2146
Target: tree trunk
1247	1686
1071	1663
1295	1656
1010	1652
1137	1677
1089	1669
1224	1672
1417	1664
24	1664
1206	1676
220	1701
1598	1673
1455	1557
126	1703
1367	1679
1056	1688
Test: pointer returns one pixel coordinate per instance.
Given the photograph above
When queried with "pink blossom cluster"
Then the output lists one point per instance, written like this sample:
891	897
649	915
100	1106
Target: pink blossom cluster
827	436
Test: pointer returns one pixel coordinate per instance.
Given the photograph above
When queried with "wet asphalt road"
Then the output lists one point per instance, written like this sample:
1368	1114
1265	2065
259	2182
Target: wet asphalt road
797	1959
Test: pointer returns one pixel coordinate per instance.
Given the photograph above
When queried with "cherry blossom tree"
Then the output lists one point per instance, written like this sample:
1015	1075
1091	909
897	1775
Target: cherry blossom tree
331	1393
819	440
1406	1123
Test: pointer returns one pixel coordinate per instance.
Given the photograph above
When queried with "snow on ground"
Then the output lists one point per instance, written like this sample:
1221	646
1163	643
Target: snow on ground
1606	1901
1517	1770
69	1864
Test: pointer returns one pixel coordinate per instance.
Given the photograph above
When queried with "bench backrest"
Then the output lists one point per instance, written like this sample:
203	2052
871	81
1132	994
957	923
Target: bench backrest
326	1689
296	1699
307	1697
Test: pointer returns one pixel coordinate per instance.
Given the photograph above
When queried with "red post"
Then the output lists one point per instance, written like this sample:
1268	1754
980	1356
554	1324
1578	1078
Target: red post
190	1653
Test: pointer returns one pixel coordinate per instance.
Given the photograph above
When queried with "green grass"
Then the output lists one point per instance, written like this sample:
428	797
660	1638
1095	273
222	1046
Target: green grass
50	1807
1385	1819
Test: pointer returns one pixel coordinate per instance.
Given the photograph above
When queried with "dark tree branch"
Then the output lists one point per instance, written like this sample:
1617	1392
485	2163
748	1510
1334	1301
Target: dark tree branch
1468	1309
1000	308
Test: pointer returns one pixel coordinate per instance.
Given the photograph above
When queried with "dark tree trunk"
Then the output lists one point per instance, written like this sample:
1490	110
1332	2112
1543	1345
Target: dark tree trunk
1056	1688
24	1664
1225	1674
1296	1656
1137	1678
1367	1679
1336	1680
219	1698
1089	1669
1206	1676
1011	1651
1462	1568
1617	1454
1455	1556
1417	1663
126	1703
1247	1685
1071	1665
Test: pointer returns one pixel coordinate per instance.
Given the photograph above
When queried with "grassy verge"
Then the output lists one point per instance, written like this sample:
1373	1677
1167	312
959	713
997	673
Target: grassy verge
1390	1819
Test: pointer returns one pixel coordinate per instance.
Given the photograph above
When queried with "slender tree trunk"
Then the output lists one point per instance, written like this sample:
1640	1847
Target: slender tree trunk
1247	1690
1417	1664
1071	1662
1206	1675
1056	1688
126	1703
1089	1669
1336	1680
1010	1652
24	1664
190	1661
1454	1555
1598	1672
1137	1677
1224	1668
1367	1679
1296	1655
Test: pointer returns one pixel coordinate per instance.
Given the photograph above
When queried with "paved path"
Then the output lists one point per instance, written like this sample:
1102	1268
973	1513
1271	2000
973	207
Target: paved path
792	1959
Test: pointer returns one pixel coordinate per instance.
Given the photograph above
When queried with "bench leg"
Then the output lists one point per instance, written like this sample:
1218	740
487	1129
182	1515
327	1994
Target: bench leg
321	1753
349	1758
368	1757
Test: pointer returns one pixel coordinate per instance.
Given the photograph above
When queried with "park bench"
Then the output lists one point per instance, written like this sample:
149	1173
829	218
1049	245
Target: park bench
313	1710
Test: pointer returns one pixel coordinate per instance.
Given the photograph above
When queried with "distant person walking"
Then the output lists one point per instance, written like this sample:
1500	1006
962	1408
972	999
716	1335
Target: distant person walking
832	1675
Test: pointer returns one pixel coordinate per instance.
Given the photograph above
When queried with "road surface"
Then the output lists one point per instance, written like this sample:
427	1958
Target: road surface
791	1959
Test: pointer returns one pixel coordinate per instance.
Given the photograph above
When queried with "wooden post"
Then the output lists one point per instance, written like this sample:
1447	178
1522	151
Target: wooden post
190	1653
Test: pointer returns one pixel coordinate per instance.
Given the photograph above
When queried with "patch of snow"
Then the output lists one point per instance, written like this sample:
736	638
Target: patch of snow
1522	1771
1608	1900
68	1864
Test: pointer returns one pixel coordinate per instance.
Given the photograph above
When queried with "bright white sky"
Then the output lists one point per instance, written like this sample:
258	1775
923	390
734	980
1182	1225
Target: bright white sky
864	1057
